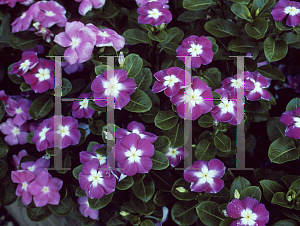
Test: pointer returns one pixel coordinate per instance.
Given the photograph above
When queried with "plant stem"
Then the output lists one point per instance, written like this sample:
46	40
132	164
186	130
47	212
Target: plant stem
222	9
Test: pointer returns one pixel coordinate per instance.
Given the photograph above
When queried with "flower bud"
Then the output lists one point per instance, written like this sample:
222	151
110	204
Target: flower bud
121	59
236	194
123	213
289	198
225	213
257	12
181	189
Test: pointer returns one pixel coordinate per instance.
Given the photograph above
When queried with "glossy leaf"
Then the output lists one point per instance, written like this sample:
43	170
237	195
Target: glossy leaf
41	106
221	28
166	120
139	102
160	161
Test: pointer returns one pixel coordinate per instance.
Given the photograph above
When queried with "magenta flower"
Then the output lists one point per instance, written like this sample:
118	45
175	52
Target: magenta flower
15	134
170	80
86	156
294	83
143	2
40	138
45	189
175	155
249	211
42	31
287	7
233	84
3	97
17	158
256	91
29	60
107	37
69	69
37	166
95	180
199	48
19	110
41	77
10	3
38	48
87	5
114	92
197	98
136	128
133	155
67	131
226	111
85	209
81	108
205	176
292	120
79	39
23	178
154	13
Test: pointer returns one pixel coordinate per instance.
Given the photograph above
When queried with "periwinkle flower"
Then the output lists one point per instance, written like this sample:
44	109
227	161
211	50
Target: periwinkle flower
19	110
143	2
287	7
17	158
3	97
37	166
234	84
72	68
292	120
257	91
40	139
87	5
81	108
15	134
86	156
294	83
29	60
175	155
85	209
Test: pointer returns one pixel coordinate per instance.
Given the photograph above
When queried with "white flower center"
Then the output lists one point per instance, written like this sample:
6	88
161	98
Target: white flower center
170	80
15	131
23	15
205	175
248	217
84	103
24	186
237	83
43	74
95	178
42	134
75	42
31	168
297	121
291	10
172	152
133	155
136	131
112	87
49	13
226	106
24	65
45	189
101	158
19	110
192	97
195	50
64	131
154	13
103	34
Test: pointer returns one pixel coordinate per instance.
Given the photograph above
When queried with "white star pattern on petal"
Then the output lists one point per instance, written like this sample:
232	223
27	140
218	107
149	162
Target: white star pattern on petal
248	217
154	13
134	155
195	49
226	106
170	80
95	177
291	10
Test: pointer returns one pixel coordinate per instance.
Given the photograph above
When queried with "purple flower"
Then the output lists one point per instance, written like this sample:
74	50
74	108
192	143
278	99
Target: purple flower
175	155
170	80
19	109
133	155
95	180
38	48
3	97
15	134
43	31
69	69
292	120
85	209
197	47
79	39
41	77
258	64
154	13
17	158
87	5
114	92
143	2
37	166
107	37
136	128
197	98
68	131
45	189
40	138
226	111
86	156
29	60
294	83
10	3
205	176
249	211
23	178
81	108
256	91
233	84
287	7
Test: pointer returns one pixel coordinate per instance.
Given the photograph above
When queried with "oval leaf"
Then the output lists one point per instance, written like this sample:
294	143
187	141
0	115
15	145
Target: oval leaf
205	150
145	189
208	213
160	161
96	204
139	102
41	106
275	50
166	120
221	28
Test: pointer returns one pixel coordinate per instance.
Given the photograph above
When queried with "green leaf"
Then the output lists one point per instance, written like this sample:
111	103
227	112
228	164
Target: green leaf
208	213
29	138
241	44
96	126
190	16
144	208
227	221
125	183
283	150
24	40
270	188
293	104
79	192
221	28
213	77
175	35
160	161
100	69
220	197
25	87
147	222
95	107
196	4
162	144
57	50
242	1
205	150
96	204
241	11
149	116
282	26
290	37
133	65
5	29
38	213
166	120
222	142
66	87
271	72
3	168
159	37
139	102
91	146
181	190
280	199
143	79
262	6
257	29
291	213
64	207
114	221
163	198
289	179
184	213
136	36
41	106
252	192
15	78
286	222
2	110
295	186
275	128
206	121
275	50
77	170
239	184
3	148
145	189
170	48
176	136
